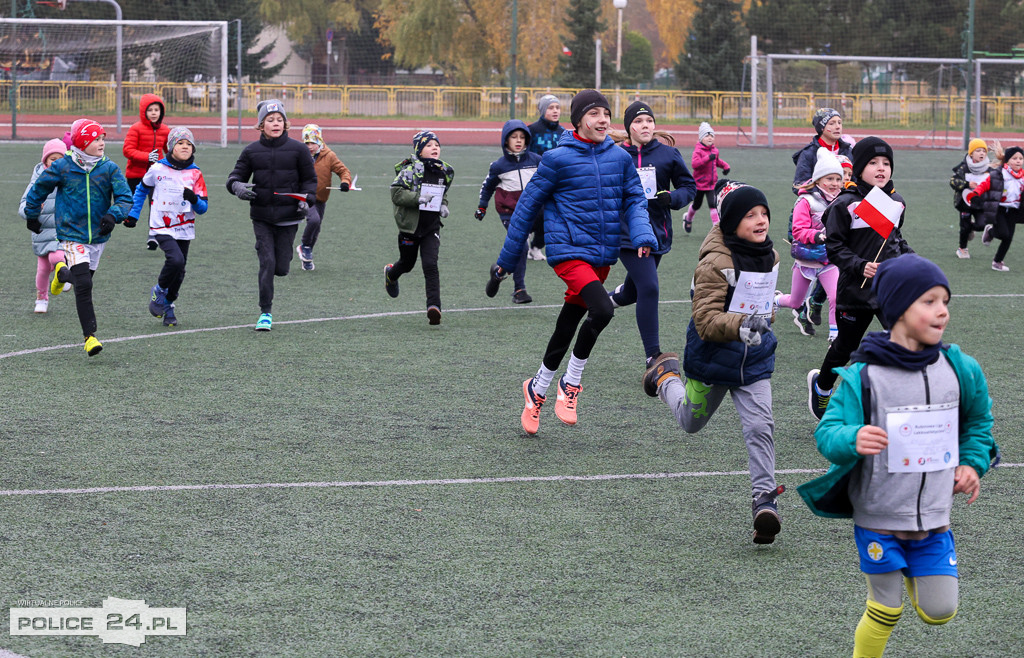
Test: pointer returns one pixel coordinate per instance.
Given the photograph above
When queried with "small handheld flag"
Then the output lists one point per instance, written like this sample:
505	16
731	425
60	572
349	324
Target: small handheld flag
297	197
879	211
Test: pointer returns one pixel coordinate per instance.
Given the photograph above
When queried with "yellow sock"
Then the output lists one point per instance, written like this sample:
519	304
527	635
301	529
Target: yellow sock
874	629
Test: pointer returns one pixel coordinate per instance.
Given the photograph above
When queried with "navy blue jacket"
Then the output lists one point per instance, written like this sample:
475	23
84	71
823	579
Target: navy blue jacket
669	170
805	159
545	135
510	173
584	190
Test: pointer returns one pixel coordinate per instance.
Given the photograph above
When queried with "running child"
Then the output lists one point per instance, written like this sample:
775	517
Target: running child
144	144
810	261
1000	196
545	133
92	198
973	169
856	249
705	164
506	180
419	194
730	347
327	163
44	243
660	168
281	169
585	186
900	507
178	191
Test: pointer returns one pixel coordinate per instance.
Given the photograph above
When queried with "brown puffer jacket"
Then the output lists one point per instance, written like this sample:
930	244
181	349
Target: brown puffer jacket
326	163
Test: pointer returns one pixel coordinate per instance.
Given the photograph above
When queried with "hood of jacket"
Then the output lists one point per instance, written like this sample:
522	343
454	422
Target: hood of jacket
146	101
507	129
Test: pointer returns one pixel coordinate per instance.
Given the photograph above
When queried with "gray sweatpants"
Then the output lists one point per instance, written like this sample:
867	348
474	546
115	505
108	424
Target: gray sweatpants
693	404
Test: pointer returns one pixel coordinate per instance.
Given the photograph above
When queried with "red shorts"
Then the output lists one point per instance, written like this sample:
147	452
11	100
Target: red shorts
577	275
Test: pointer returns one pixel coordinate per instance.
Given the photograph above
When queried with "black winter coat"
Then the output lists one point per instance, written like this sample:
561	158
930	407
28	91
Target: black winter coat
807	157
670	171
280	164
851	244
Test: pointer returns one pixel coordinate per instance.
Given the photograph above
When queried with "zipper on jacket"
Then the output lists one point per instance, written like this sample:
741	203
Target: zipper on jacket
924	476
600	195
88	206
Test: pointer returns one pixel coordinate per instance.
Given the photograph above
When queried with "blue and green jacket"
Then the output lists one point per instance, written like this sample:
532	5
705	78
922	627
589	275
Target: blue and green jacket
82	198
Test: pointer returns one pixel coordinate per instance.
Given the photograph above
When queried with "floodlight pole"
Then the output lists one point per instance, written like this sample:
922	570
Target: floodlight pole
117	73
512	57
14	82
970	73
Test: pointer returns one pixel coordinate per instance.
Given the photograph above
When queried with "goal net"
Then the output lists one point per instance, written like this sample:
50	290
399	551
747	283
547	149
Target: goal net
51	67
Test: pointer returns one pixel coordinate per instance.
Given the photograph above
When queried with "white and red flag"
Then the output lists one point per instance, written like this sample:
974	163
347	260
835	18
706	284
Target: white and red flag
566	52
879	211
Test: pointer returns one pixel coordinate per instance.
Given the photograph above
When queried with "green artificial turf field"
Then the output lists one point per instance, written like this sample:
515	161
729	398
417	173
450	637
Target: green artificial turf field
353	387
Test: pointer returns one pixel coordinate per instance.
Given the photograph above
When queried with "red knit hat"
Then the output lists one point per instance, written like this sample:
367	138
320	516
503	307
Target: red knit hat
86	133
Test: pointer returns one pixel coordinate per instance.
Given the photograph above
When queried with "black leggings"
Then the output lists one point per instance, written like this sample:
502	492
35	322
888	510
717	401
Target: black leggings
851	330
173	271
1004	229
699	199
81	278
427	248
599	312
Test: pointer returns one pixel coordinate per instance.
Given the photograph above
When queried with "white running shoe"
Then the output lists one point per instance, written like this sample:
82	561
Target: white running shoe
963	253
42	305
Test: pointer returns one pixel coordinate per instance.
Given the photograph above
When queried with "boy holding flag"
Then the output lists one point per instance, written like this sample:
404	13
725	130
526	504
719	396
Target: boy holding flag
862	229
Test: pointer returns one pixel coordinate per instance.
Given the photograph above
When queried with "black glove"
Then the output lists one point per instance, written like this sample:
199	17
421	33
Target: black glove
34	225
243	191
479	214
107	224
154	155
343	187
819	238
725	172
664	198
130	222
189	195
752	328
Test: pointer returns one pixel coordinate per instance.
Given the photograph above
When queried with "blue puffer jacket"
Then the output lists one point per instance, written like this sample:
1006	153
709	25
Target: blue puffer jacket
83	198
46	240
669	171
584	190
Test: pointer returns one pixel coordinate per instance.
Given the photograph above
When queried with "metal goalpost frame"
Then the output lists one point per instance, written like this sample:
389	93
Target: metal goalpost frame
770	92
222	26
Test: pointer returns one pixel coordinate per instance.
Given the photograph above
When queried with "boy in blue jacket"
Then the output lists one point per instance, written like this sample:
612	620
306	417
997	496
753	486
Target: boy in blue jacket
730	347
92	197
909	427
585	186
506	180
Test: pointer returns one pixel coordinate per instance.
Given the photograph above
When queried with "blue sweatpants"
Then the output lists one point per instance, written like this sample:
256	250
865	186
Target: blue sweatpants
641	288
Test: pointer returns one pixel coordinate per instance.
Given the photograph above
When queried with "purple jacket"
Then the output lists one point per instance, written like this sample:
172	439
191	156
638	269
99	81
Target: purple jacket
704	162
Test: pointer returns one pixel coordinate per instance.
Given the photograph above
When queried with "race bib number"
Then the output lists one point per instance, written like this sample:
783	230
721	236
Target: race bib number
923	438
649	179
436	194
754	293
167	197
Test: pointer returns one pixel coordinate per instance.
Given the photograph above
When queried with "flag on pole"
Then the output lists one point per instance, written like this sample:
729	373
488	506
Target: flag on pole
566	52
879	211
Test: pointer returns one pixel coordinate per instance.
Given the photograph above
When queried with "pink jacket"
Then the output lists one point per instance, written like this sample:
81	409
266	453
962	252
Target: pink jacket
704	162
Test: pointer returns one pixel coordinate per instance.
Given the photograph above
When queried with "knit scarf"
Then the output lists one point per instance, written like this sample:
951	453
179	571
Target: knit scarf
877	349
977	167
750	256
83	160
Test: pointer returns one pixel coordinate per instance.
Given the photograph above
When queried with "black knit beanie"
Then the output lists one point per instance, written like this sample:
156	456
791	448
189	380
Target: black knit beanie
734	201
868	148
635	109
585	101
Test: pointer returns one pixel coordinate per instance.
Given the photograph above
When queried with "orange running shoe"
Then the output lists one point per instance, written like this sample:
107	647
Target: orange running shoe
531	412
565	402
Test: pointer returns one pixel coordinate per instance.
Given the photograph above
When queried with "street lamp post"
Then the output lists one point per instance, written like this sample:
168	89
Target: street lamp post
620	5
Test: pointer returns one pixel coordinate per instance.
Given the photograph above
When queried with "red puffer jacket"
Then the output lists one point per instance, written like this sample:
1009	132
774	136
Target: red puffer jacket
143	137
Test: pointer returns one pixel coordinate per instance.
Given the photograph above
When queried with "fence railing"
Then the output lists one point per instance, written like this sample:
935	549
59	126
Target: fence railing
71	97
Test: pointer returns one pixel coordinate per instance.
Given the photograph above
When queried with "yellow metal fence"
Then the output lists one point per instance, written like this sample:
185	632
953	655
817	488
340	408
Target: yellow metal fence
55	97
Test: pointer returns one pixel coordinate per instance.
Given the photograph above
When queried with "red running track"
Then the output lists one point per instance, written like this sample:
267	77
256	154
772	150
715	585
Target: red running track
36	127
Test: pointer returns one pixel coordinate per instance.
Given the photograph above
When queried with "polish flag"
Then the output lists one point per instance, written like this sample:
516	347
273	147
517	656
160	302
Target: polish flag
566	52
879	211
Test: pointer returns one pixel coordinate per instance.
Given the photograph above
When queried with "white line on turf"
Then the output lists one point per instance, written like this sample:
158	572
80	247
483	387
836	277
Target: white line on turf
409	483
364	316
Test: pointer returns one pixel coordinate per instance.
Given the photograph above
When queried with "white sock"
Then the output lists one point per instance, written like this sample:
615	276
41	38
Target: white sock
822	392
574	371
542	380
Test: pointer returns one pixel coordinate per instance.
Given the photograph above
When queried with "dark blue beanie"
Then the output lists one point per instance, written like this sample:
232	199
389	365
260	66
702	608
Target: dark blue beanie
900	281
420	139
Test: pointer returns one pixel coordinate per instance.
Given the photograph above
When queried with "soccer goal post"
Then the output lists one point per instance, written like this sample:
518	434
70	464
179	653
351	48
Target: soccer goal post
184	62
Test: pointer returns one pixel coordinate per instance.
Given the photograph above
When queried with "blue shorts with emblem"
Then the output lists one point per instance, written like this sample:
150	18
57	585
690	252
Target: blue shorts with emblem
935	555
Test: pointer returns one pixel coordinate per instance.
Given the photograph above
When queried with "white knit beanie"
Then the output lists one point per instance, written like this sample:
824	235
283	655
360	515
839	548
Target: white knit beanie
827	163
703	130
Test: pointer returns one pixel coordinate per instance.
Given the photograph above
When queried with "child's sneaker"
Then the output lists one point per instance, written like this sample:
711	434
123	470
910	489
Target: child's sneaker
152	244
306	257
494	280
42	305
521	297
60	279
433	315
565	401
813	312
999	266
390	286
531	412
801	321
93	346
767	523
986	235
661	368
536	254
170	320
815	400
963	254
612	293
265	322
157	301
